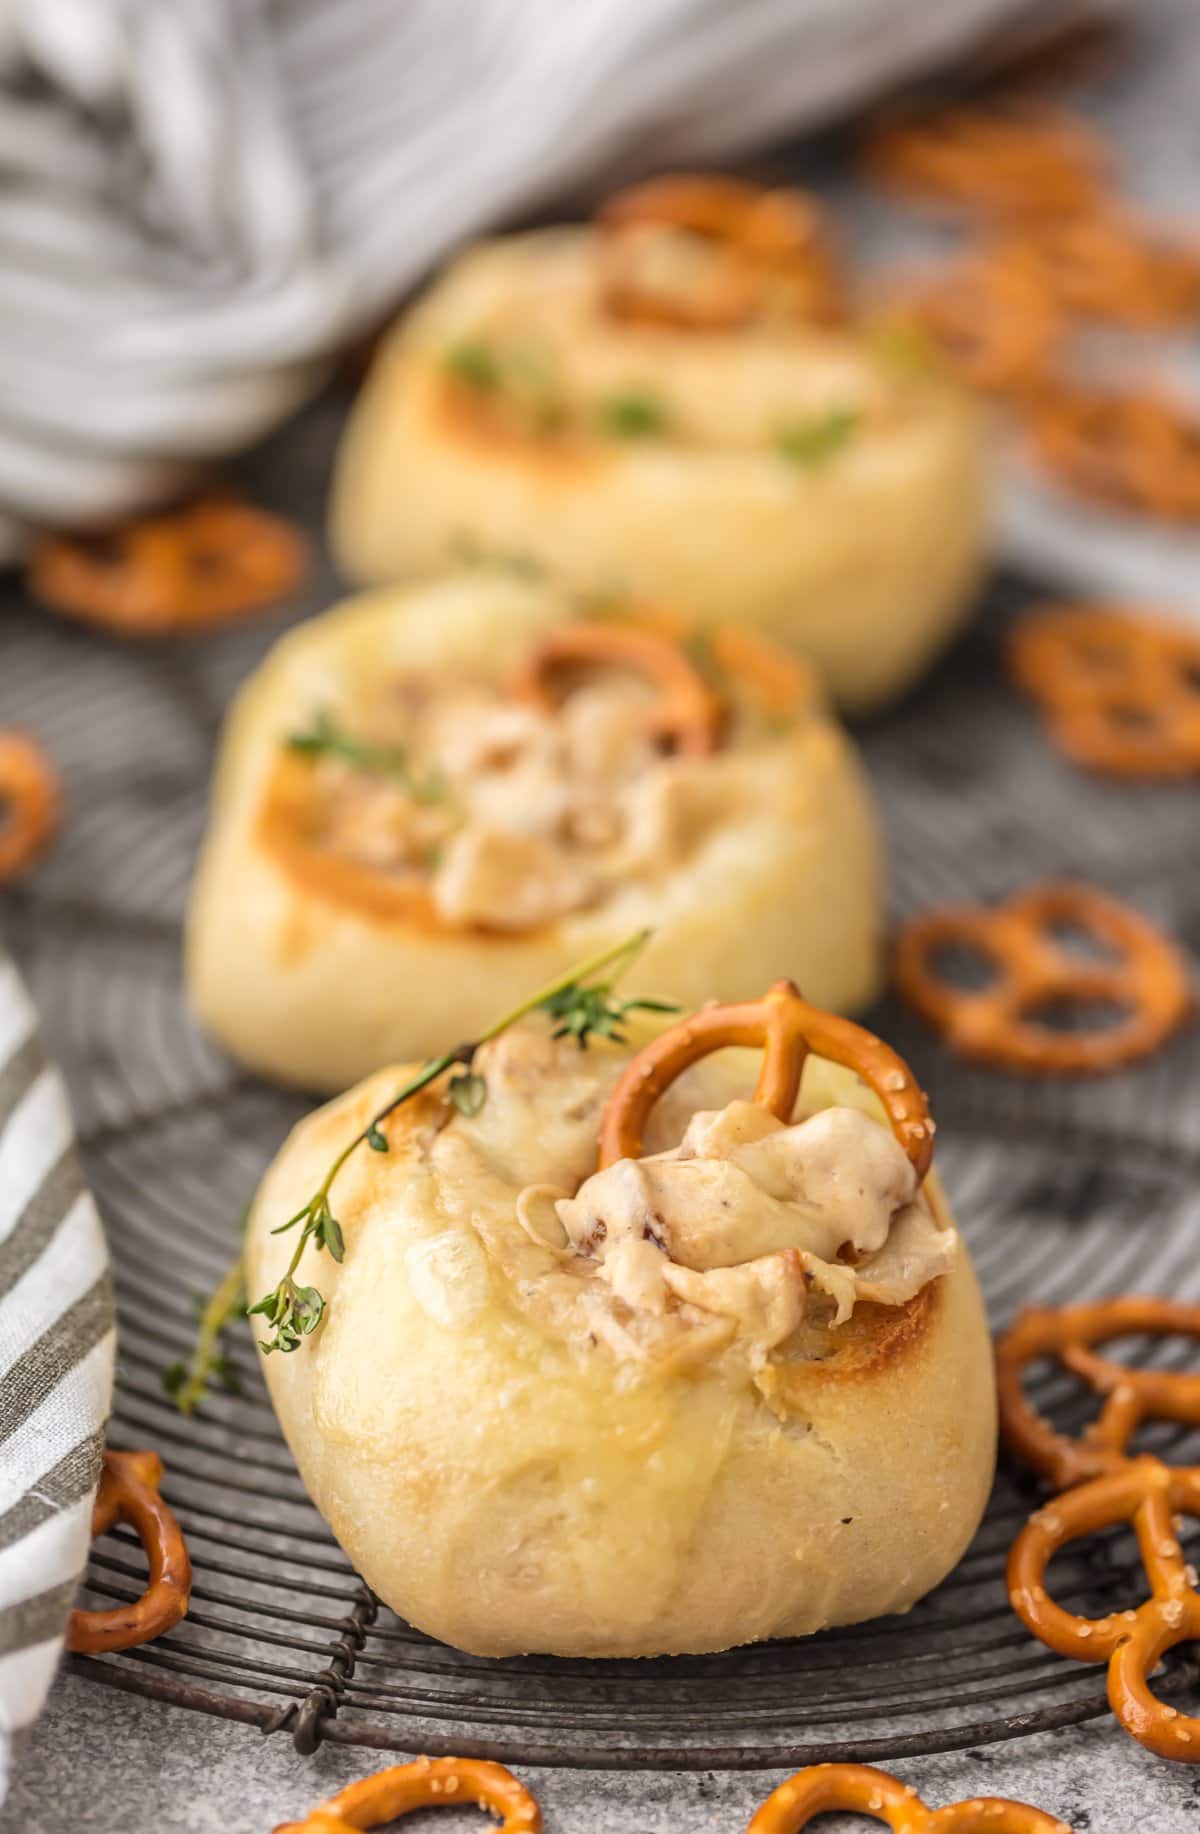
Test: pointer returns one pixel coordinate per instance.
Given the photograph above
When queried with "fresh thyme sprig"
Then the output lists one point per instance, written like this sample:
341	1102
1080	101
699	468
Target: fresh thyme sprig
815	441
187	1382
324	738
583	1006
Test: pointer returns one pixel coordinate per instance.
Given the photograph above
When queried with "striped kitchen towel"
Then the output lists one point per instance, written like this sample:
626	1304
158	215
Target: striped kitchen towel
57	1338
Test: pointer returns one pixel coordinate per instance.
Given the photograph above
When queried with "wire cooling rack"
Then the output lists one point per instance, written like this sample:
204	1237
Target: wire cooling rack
1064	1191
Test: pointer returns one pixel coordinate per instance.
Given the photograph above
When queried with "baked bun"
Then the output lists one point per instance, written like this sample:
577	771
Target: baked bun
757	1403
791	475
356	903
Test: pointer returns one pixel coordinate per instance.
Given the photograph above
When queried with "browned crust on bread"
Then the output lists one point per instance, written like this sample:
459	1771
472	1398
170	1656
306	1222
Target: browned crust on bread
462	417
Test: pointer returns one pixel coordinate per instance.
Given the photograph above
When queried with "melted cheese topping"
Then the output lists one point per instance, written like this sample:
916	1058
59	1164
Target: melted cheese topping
542	812
727	1241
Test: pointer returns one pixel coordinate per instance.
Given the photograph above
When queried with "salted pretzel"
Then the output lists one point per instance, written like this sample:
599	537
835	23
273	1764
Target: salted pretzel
787	1028
1131	1396
1121	692
1103	1485
425	1783
687	713
998	1024
30	803
208	561
770	245
129	1493
1105	264
1137	451
1149	1496
996	327
1000	162
862	1790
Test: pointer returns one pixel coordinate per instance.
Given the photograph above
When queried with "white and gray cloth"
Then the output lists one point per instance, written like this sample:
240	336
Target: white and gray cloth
201	199
57	1340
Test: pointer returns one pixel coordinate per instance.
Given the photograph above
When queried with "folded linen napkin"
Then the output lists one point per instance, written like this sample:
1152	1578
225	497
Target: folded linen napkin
57	1339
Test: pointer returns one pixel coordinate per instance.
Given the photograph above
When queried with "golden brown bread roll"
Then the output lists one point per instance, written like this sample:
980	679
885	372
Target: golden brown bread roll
455	832
786	474
736	1390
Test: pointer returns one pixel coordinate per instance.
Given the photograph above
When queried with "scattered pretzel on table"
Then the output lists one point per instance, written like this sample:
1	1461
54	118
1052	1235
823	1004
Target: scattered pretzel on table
425	1783
998	1023
862	1790
787	1028
1105	264
994	324
769	245
687	712
1002	162
30	804
181	569
1120	691
129	1493
1137	451
1102	1486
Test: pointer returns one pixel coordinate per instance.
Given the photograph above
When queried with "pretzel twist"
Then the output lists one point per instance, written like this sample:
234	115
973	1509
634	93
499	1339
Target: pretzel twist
998	1023
995	326
687	713
769	244
1104	264
425	1783
863	1790
1005	164
1121	692
129	1493
1131	1396
786	1027
1148	1495
208	561
1139	452
30	804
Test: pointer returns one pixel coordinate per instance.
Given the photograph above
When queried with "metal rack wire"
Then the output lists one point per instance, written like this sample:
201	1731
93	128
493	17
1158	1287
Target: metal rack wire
1063	1191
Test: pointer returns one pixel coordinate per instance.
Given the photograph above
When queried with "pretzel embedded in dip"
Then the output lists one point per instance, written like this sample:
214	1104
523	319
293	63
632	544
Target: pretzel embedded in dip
426	1783
1120	692
766	240
787	1028
862	1790
181	569
998	1024
1033	164
129	1493
1137	451
30	803
687	712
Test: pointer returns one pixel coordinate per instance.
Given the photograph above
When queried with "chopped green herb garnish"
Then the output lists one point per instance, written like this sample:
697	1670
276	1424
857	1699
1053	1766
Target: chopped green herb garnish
474	363
814	442
633	414
326	739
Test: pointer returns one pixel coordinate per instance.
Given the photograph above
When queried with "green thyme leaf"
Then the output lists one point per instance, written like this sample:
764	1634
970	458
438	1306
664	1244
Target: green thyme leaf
468	1092
377	1139
814	442
581	1004
632	414
324	738
187	1381
474	363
